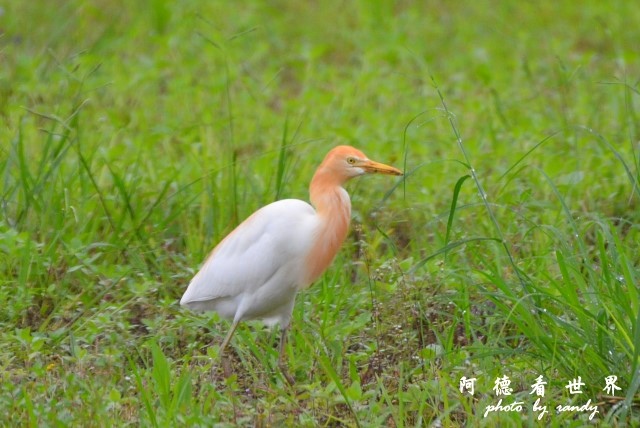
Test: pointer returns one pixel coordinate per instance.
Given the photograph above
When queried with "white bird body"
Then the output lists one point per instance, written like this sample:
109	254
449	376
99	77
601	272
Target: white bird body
257	270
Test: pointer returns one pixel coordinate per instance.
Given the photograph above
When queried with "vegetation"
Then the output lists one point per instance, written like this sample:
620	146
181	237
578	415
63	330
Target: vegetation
135	135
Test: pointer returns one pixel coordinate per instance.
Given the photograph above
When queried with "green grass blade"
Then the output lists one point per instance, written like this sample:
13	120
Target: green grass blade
452	210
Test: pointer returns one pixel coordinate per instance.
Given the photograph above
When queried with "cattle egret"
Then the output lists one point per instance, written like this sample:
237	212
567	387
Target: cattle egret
256	271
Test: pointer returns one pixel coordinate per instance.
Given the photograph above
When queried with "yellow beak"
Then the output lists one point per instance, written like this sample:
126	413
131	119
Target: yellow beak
373	167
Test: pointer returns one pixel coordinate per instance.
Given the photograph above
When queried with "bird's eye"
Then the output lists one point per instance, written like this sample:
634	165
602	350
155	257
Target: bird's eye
351	161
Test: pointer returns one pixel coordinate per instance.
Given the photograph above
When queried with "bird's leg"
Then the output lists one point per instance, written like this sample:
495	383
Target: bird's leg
281	364
225	363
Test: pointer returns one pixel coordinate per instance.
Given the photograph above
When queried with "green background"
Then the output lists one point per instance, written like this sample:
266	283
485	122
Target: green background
136	135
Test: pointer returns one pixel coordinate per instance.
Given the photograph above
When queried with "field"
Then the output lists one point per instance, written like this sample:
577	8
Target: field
135	135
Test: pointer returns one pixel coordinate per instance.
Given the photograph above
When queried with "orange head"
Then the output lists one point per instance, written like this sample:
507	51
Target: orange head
345	162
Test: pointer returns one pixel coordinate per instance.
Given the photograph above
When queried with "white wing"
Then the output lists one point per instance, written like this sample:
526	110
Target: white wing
257	268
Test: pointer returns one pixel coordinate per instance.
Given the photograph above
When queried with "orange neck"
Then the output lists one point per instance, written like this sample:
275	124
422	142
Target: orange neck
333	209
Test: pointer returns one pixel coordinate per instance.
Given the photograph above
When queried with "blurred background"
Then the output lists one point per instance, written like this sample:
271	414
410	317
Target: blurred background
135	135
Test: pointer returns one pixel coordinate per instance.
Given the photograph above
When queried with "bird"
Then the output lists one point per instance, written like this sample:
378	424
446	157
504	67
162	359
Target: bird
256	271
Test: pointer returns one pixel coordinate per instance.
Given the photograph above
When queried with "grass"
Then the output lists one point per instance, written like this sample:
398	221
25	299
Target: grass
135	136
